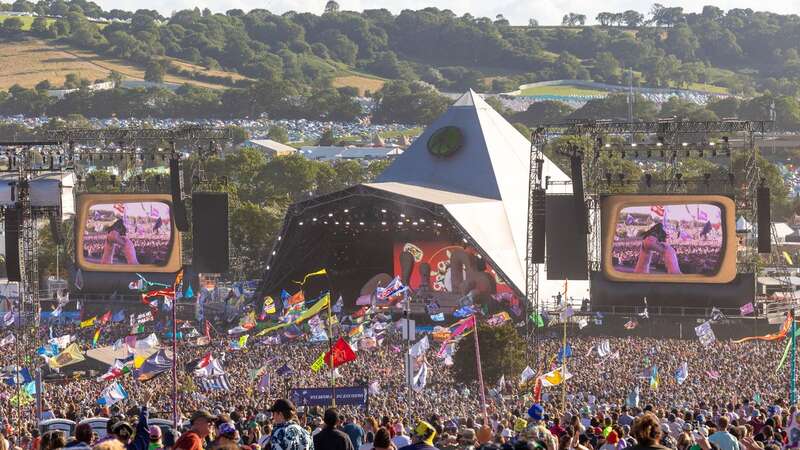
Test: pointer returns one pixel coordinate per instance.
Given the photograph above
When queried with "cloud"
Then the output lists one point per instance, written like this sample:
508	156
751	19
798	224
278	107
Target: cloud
518	12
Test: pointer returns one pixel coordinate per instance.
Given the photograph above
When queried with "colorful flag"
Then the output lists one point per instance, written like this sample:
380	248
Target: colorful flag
631	324
153	366
395	287
555	377
95	338
682	373
105	317
498	319
537	319
713	374
604	348
747	309
654	379
437	317
22	376
88	322
318	363
71	355
240	343
118	316
312	274
787	258
8	318
563	352
705	333
526	375
21	399
658	210
297	298
112	394
340	353
420	379
263	384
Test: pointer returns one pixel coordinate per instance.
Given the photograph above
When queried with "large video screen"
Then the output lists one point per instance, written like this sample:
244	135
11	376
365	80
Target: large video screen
441	257
669	238
127	232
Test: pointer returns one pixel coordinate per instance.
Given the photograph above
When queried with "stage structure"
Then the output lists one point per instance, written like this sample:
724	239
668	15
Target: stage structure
39	178
449	216
659	148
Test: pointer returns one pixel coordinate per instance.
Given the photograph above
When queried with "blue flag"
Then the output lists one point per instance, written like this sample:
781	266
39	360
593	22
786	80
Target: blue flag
21	377
118	316
283	370
285	298
437	317
189	292
464	311
564	352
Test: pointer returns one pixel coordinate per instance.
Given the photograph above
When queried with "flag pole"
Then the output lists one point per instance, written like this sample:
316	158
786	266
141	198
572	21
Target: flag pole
175	353
480	372
330	353
564	353
792	381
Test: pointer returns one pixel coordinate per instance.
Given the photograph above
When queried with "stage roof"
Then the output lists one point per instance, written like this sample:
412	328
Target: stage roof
482	187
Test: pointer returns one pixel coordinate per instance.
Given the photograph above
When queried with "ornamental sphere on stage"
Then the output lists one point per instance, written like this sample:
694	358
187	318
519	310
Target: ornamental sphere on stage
388	226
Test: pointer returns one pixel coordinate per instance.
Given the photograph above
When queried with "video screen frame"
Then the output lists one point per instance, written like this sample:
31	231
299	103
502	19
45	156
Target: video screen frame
86	201
611	207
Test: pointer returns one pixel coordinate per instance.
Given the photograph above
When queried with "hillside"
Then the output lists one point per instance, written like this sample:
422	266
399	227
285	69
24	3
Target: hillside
27	62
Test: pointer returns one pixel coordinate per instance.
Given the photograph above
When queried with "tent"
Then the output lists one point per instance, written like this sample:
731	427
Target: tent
474	193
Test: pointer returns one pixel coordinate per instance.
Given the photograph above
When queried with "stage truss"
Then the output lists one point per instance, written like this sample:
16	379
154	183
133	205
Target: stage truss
661	145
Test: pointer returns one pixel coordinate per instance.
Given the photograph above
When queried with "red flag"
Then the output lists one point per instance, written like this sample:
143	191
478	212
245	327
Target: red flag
537	390
105	317
297	298
341	352
208	330
206	360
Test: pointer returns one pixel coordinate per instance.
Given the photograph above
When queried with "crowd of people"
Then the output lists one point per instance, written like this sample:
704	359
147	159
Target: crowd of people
725	380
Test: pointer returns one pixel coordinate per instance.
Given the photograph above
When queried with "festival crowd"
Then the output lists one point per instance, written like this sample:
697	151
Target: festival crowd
630	397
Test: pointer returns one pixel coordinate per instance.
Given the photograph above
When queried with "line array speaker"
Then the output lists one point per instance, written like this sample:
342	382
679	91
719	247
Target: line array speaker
538	219
176	188
576	166
210	232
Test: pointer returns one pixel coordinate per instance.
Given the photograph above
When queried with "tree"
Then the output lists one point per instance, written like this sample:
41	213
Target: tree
278	134
43	85
502	353
12	26
540	113
607	68
39	27
632	19
154	72
604	19
331	7
327	138
533	23
408	102
116	78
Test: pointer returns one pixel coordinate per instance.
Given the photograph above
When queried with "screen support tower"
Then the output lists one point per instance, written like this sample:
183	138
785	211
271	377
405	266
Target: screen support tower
535	189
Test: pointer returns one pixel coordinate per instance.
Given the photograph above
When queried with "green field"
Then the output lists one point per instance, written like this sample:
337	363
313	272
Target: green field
563	90
28	20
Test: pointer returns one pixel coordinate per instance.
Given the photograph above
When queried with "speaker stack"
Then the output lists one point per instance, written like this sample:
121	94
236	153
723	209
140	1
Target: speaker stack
176	189
764	220
12	223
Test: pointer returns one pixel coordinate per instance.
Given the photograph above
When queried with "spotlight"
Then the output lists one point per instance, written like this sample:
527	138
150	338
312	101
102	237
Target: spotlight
301	224
314	219
608	146
361	223
633	144
383	211
346	211
684	144
330	214
383	223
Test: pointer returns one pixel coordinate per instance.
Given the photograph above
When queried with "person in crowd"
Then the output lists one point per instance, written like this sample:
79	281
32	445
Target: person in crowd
330	437
201	423
83	438
422	437
155	438
722	438
354	431
287	434
383	440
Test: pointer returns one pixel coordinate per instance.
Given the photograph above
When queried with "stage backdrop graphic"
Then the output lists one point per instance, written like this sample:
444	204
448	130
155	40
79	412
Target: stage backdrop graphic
127	233
669	238
437	255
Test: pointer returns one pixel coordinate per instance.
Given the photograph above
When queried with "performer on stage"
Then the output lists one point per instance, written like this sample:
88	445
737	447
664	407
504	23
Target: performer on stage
654	240
116	237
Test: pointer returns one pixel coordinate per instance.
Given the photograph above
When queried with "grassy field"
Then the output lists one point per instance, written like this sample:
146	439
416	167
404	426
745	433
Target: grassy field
26	21
565	90
28	62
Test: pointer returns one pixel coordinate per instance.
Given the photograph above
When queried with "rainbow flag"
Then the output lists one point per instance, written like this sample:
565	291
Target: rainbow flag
96	338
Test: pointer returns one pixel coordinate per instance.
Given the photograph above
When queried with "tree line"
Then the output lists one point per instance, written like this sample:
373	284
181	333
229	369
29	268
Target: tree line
757	50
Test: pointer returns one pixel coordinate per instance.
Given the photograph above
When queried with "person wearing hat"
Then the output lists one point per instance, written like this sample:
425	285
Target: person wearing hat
287	434
200	424
155	438
227	437
330	437
422	437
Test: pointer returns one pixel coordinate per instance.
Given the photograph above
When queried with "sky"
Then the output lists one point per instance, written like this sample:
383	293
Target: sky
547	12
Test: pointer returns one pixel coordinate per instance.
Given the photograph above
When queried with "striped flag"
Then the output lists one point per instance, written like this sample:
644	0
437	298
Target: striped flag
219	383
95	338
